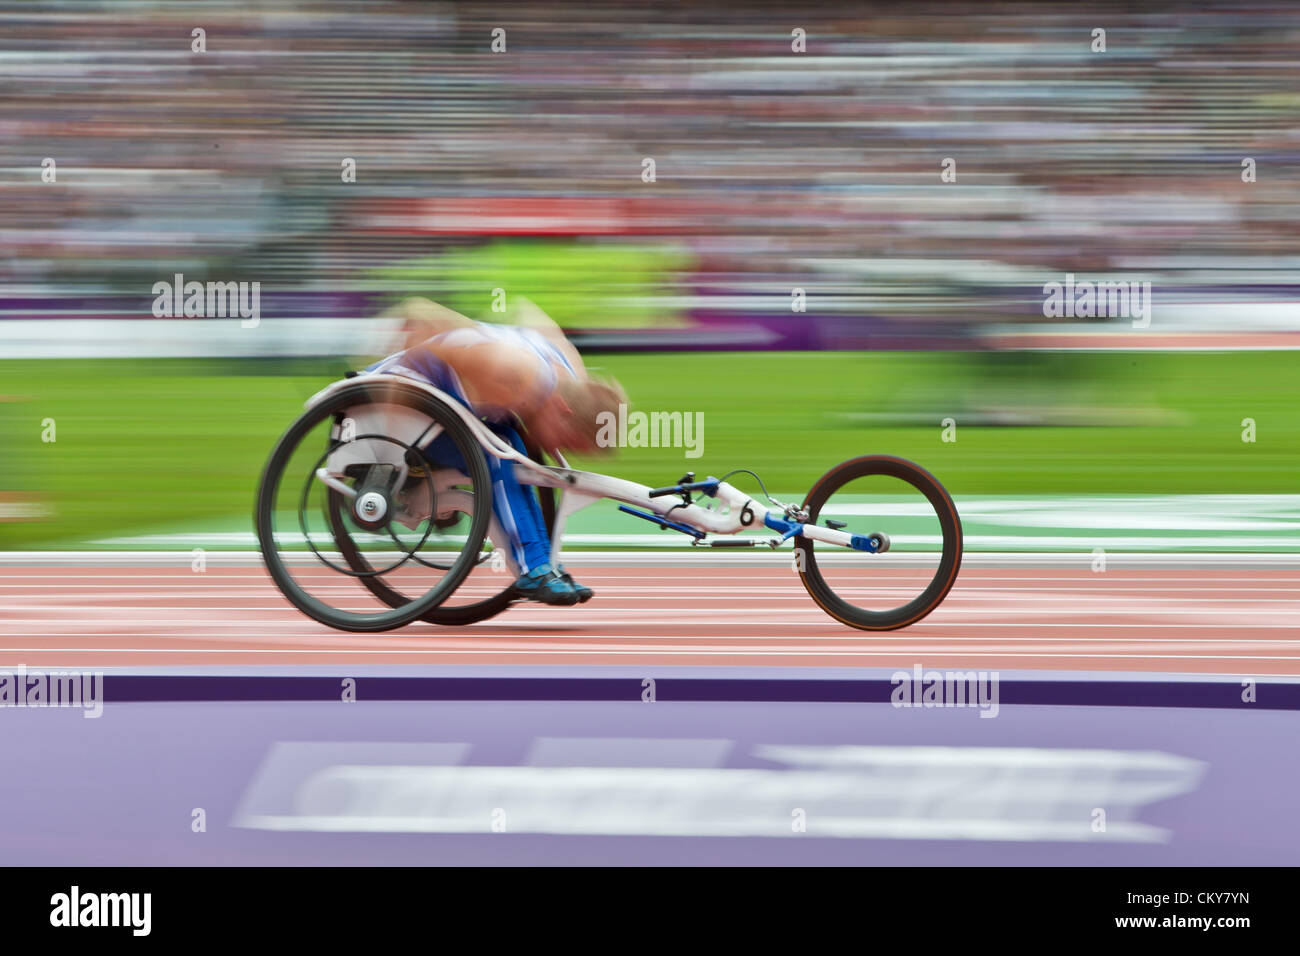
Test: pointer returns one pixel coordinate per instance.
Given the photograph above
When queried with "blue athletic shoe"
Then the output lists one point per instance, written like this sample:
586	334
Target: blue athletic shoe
584	593
544	585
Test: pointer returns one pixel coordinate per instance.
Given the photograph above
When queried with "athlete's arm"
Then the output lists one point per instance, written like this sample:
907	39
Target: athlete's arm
423	318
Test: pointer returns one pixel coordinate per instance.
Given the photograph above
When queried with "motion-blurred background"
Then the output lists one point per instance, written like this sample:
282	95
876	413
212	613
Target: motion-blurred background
828	228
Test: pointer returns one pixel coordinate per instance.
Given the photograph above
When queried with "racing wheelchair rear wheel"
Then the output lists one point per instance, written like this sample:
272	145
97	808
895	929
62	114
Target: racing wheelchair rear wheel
388	457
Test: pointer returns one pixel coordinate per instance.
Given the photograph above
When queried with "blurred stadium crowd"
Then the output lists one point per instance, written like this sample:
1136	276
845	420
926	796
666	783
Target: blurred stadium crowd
773	169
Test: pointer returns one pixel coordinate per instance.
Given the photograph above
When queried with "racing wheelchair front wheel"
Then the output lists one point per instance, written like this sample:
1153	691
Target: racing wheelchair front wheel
914	531
393	455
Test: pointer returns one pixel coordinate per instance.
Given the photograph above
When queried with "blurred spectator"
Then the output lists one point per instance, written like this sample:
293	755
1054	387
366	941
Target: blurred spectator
773	169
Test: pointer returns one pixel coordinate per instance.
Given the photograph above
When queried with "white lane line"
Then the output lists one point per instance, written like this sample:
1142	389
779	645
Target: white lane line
581	641
610	597
540	634
1220	579
651	649
610	617
1046	603
606	631
1109	533
954	645
757	593
1182	618
688	584
711	557
979	604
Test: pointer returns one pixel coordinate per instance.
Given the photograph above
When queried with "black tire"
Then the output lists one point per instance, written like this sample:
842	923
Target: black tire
949	562
453	616
354	395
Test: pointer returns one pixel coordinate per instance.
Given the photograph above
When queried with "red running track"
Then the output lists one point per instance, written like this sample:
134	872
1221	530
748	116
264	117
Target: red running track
1195	620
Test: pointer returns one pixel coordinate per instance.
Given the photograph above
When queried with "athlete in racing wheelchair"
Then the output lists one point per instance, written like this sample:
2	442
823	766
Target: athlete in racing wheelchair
521	377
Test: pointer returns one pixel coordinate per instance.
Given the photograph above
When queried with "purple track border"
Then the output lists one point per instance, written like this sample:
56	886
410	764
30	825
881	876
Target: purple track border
1217	694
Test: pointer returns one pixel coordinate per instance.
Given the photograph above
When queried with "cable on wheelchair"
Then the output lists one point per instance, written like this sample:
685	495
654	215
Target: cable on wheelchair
762	487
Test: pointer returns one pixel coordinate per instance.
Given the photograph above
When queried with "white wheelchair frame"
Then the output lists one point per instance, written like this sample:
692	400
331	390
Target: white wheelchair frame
728	512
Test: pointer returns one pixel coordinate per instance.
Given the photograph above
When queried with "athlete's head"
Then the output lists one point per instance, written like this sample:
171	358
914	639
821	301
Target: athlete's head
572	417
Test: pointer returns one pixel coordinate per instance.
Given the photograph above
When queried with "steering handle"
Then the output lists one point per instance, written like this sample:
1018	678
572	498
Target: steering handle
708	486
